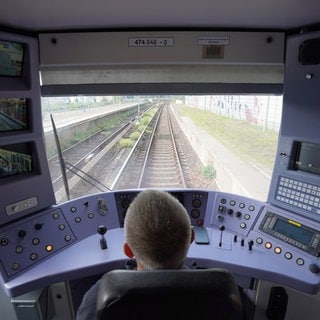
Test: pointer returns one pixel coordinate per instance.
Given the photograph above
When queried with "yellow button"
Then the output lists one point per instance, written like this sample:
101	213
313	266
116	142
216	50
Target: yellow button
268	245
277	250
49	247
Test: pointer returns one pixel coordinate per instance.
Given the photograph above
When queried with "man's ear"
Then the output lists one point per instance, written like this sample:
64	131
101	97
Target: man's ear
127	251
192	235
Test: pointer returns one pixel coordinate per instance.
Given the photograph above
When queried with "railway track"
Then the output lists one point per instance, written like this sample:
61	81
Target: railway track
162	167
79	155
160	157
155	161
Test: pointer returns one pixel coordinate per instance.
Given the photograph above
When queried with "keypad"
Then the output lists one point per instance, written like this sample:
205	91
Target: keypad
299	194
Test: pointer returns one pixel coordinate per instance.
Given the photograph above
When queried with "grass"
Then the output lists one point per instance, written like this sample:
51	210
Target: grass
143	122
209	172
248	141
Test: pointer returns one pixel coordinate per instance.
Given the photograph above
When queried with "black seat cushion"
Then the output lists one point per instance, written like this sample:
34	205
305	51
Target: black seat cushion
169	294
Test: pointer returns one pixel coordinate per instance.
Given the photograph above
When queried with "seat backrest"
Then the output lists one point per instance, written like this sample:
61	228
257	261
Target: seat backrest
169	294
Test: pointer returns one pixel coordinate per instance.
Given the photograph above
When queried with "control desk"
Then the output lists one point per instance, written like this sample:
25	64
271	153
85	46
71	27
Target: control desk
84	237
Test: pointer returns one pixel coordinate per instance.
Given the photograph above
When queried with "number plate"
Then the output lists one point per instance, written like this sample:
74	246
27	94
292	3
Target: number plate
151	42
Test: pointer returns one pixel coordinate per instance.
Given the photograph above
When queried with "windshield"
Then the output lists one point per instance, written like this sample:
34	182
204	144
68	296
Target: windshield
218	142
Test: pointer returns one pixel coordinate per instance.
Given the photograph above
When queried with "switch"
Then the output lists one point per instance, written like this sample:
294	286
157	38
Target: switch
230	212
238	214
221	228
22	233
103	242
38	226
103	208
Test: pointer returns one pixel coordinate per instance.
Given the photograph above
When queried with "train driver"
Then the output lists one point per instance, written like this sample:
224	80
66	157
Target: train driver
158	234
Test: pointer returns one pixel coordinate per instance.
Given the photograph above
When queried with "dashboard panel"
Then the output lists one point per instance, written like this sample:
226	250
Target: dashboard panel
249	238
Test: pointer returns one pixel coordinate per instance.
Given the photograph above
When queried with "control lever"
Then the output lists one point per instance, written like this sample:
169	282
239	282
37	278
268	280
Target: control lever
221	228
103	242
250	244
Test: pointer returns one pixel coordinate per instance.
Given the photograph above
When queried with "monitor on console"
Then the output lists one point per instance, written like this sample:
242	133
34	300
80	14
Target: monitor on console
11	58
14	114
307	157
18	57
15	160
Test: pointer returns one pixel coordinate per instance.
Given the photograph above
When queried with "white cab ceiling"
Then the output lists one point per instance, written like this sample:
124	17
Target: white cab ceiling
56	15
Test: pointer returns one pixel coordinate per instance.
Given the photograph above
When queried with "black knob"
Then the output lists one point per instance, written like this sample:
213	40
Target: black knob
38	226
22	233
238	214
220	217
250	243
314	268
221	228
102	230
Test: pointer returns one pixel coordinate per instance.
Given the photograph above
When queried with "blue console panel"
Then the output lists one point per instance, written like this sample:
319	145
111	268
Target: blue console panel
247	237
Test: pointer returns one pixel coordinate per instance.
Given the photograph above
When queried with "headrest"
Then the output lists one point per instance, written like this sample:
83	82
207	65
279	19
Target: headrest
169	294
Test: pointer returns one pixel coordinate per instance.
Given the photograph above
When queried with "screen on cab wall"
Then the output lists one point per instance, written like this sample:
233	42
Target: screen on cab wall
11	58
15	159
14	114
308	157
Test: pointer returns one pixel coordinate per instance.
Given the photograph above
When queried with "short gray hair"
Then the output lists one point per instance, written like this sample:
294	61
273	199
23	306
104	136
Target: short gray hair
158	230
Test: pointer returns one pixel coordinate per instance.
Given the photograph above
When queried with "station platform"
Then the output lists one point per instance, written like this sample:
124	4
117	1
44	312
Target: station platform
66	118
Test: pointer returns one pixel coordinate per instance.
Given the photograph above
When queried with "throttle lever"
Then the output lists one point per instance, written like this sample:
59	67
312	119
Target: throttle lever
102	230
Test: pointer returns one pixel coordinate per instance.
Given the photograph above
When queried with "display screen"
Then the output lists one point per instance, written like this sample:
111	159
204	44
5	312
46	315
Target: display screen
293	231
308	157
11	58
14	114
15	159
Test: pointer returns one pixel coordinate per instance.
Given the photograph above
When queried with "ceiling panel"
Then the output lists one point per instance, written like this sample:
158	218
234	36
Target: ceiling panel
45	15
